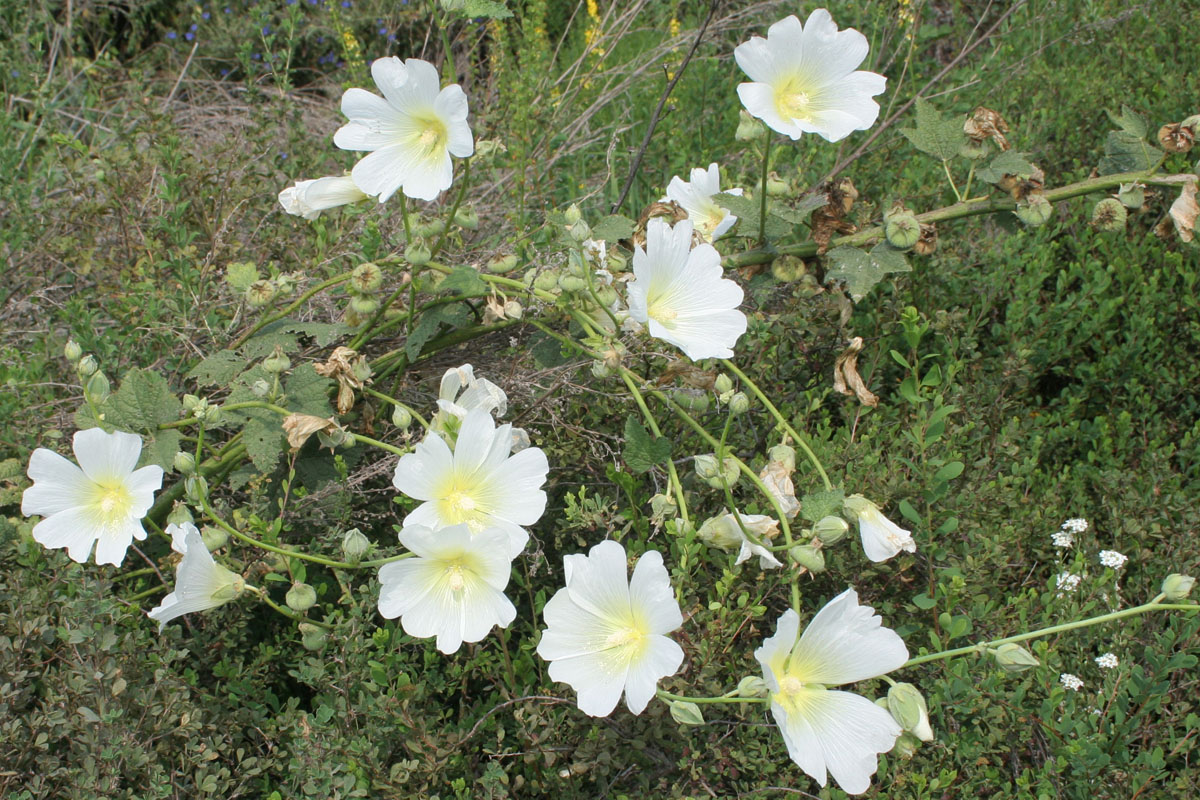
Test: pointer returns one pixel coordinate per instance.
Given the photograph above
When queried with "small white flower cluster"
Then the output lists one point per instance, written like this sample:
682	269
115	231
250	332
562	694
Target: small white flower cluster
1067	582
1070	681
1076	525
1112	559
1107	661
1065	537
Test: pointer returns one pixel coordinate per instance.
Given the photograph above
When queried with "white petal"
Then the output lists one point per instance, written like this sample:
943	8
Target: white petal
57	484
114	542
773	652
73	529
422	88
418	473
846	642
382	172
475	440
882	538
651	597
389	75
142	485
660	657
599	584
373	122
107	456
571	631
828	52
756	59
598	680
759	100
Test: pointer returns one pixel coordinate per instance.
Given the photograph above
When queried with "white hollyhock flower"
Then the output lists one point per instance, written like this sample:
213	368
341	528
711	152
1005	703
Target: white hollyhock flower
453	589
881	538
478	483
724	532
100	502
679	292
825	729
200	582
805	79
411	131
695	197
309	198
606	634
461	392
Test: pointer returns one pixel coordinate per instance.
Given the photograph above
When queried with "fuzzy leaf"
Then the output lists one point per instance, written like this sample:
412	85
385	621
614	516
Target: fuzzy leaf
218	369
486	8
239	275
1008	162
860	270
939	136
160	449
613	228
143	402
818	505
642	451
263	437
308	392
746	209
1130	122
1126	150
464	280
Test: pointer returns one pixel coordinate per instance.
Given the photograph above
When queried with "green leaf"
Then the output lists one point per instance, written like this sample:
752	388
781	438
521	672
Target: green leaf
818	505
160	449
263	343
939	136
799	213
949	471
464	280
1008	162
143	402
486	8
218	369
1126	150
746	209
323	333
239	275
613	228
924	602
909	513
263	437
308	392
860	270
642	451
1130	122
548	352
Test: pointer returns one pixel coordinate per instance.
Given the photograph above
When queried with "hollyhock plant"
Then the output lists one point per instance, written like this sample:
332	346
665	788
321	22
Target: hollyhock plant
679	292
453	589
309	198
200	582
805	78
881	538
100	502
410	132
824	729
695	197
477	483
606	633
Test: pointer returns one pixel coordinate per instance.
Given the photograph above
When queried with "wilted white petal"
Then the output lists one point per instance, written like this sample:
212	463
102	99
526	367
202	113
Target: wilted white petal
200	583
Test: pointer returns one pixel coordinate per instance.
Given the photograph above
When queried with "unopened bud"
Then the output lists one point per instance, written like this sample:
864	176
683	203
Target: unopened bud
1132	195
354	545
1177	587
617	262
546	280
1109	215
570	283
906	745
366	278
502	264
260	388
417	253
72	351
191	403
1011	657
686	713
748	128
513	309
301	597
214	538
752	686
195	488
808	556
784	454
429	228
901	228
739	403
361	304
606	296
285	283
580	231
211	414
831	529
723	384
180	514
467	218
312	637
97	388
776	186
1035	210
573	215
691	399
185	463
401	417
907	706
277	362
259	293
87	365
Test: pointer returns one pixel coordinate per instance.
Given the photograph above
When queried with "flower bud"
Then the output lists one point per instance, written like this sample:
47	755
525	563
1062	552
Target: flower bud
97	388
301	597
691	399
716	532
72	351
1177	587
752	686
831	529
366	278
430	228
785	455
606	295
417	253
486	150
739	403
354	545
776	186
686	713
285	283
546	280
601	369
185	463
748	128
195	488
1109	215
616	262
1011	657
210	415
1035	210
259	293
191	403
502	264
513	309
907	706
786	269
312	637
1132	195
906	745
572	215
214	538
87	365
580	231
723	384
466	218
570	283
260	388
277	362
363	305
901	228
808	556
180	514
401	417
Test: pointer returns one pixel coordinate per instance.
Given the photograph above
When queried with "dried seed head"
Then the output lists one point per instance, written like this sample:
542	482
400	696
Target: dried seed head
927	244
1175	138
1109	215
983	124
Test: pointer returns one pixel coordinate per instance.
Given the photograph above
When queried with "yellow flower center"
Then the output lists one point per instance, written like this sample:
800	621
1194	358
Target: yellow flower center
459	503
112	503
790	685
432	140
661	312
792	102
454	578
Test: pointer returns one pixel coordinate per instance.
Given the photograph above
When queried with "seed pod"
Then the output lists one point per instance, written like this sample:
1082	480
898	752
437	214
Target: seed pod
401	417
748	128
87	366
467	218
1035	211
1132	195
928	242
809	557
831	529
364	305
573	214
1109	215
417	253
97	388
1011	657
366	278
502	264
301	597
312	637
259	293
277	362
739	403
214	538
1175	138
902	228
786	269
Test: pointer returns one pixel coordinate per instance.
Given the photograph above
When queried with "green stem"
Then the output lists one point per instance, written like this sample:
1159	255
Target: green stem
726	698
953	187
381	396
1154	605
299	301
147	593
676	484
800	441
762	205
358	437
464	182
250	540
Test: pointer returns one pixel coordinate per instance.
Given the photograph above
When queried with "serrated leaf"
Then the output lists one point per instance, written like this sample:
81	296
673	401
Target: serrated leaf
613	228
142	403
160	449
239	275
263	343
464	280
307	392
642	451
1130	122
323	333
548	352
939	136
747	209
802	210
486	8
263	437
860	270
218	369
1126	153
818	505
425	329
1008	162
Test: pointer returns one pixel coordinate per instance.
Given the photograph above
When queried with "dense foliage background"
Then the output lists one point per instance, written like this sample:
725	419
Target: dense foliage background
144	143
